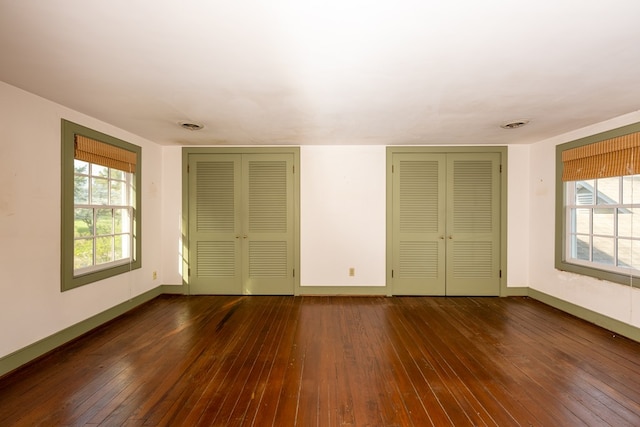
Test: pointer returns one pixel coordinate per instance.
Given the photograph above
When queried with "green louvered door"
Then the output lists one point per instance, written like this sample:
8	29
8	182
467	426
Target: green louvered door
240	224
419	224
446	224
473	224
267	244
214	224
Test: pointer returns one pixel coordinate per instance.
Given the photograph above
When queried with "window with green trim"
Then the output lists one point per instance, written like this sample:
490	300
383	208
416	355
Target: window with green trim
100	206
598	205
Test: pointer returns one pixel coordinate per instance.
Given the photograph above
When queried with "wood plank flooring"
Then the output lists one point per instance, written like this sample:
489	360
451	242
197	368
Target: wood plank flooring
333	361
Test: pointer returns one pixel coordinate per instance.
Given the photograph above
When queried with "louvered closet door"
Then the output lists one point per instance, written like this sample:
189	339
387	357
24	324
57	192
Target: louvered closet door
267	247
214	224
419	224
473	224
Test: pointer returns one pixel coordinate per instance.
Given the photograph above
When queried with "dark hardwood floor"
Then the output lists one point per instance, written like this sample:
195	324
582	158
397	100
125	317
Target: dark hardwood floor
329	361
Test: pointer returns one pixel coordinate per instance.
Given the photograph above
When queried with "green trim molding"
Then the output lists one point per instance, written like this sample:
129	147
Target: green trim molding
68	280
343	290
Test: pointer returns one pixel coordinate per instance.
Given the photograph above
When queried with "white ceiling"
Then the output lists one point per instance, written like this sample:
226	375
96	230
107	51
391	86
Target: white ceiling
329	71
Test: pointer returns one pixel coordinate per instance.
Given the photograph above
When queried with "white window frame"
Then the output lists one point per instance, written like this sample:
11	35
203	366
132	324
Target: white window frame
94	206
571	205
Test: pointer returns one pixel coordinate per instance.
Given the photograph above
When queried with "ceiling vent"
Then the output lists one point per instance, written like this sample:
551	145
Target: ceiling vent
514	124
191	126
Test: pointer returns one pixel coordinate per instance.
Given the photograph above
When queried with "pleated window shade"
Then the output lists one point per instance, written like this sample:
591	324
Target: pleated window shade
92	151
612	157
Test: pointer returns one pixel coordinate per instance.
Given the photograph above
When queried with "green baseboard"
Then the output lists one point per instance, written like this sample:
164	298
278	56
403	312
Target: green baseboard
31	352
519	291
342	290
173	289
606	322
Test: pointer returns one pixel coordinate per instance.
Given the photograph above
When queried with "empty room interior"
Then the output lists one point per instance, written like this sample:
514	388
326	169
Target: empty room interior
320	213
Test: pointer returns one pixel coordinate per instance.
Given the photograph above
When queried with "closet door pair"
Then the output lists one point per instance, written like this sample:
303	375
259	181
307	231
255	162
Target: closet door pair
241	224
446	224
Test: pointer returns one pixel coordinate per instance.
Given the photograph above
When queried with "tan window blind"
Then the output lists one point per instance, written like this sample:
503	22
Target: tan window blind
612	157
92	151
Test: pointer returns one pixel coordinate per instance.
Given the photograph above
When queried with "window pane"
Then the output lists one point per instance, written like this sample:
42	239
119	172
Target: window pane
628	222
104	249
580	247
104	221
83	222
122	221
122	247
629	253
580	219
631	189
101	171
603	222
603	250
83	253
118	193
132	193
117	174
99	191
80	167
584	192
609	191
80	189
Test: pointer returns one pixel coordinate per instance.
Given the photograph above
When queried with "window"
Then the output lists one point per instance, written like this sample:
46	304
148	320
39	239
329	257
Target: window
100	206
598	205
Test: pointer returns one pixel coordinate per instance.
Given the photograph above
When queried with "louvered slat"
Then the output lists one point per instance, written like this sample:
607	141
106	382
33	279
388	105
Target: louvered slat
267	196
472	203
268	259
472	260
215	197
418	260
418	196
215	259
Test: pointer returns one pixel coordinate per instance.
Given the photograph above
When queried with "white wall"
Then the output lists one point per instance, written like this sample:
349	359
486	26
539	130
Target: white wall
32	306
172	216
518	216
342	215
613	300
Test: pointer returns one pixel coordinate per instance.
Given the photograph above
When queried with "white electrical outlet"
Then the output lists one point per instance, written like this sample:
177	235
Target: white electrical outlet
352	271
155	275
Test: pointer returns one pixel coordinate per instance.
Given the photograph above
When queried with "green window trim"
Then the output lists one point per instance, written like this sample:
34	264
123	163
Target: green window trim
68	279
561	262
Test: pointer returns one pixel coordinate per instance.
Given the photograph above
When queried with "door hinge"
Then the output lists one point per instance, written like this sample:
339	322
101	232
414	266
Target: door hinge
500	273
392	274
500	168
189	271
392	168
187	168
294	168
294	272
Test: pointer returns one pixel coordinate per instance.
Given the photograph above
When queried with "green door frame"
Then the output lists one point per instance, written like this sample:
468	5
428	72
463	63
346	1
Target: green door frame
502	150
188	151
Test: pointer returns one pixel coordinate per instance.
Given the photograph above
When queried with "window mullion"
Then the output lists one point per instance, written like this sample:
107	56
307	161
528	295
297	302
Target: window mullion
95	234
